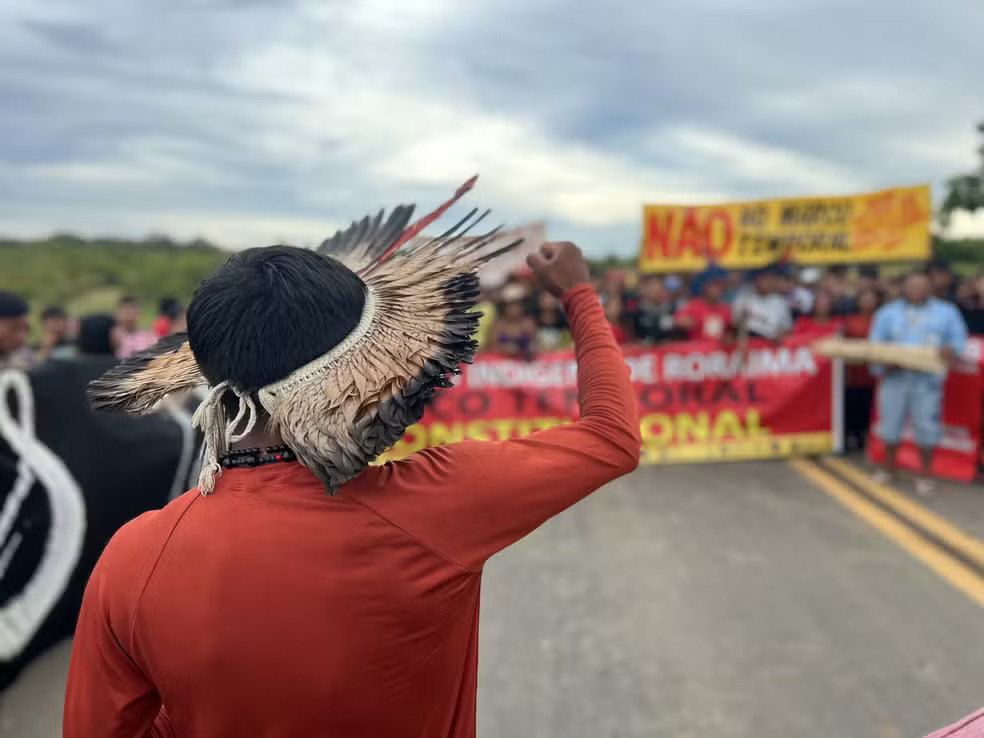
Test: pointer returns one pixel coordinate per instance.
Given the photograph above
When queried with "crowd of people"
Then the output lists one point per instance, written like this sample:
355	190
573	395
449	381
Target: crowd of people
522	321
717	305
727	307
59	333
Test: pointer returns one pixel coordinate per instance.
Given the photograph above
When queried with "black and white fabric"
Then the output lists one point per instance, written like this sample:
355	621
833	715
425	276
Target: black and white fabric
764	316
69	479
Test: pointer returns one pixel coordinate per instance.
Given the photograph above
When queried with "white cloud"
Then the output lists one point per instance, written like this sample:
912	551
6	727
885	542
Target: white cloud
230	230
282	120
758	163
885	93
399	137
966	225
142	160
947	147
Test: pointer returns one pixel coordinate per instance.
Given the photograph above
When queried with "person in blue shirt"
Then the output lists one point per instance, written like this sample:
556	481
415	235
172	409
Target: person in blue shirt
915	319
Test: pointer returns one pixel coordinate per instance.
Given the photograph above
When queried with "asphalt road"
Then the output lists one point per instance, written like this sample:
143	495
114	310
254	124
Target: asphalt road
687	602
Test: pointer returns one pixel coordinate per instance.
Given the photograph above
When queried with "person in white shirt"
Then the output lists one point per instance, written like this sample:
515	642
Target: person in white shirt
760	310
802	294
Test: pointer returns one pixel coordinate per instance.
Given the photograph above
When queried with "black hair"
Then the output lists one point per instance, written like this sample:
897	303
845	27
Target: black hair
268	311
12	306
53	311
169	308
830	301
96	335
876	291
128	300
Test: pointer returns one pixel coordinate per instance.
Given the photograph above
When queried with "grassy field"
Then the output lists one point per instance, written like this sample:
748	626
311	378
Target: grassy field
91	276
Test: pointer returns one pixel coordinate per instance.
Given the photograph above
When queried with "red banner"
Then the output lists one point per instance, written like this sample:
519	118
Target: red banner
958	455
697	402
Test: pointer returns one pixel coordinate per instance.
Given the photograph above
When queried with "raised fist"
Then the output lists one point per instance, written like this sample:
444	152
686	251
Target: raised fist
559	266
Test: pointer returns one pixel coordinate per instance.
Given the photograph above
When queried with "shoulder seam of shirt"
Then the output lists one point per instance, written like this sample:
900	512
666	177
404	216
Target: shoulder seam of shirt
403	530
150	574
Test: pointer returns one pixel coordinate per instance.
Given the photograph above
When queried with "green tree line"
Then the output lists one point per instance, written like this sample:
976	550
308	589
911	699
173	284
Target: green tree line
63	269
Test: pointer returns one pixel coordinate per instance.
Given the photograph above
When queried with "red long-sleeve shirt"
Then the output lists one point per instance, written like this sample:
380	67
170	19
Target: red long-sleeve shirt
269	608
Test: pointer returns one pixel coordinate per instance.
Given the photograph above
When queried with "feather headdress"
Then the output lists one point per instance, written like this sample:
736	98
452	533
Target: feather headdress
341	410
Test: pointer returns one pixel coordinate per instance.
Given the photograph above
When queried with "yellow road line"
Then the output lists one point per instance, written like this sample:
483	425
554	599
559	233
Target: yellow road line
957	539
943	564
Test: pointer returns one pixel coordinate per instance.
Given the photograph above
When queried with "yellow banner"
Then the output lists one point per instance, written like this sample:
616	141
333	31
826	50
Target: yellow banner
760	447
665	439
892	225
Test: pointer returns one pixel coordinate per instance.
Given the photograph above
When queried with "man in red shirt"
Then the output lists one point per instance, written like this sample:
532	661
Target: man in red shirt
822	319
167	315
859	382
707	316
299	591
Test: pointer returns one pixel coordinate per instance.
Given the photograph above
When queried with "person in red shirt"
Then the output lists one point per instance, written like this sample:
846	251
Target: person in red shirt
616	318
821	320
859	382
299	591
707	317
167	315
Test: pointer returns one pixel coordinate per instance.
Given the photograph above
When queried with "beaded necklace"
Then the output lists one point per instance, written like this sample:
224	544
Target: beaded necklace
247	457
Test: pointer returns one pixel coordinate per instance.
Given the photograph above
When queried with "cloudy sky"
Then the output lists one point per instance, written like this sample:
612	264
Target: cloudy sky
253	121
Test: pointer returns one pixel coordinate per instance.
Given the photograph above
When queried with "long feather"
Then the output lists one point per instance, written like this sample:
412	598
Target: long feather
371	241
421	224
360	245
137	384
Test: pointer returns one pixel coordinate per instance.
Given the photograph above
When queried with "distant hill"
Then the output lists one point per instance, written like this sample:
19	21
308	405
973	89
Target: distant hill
88	275
966	254
65	269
